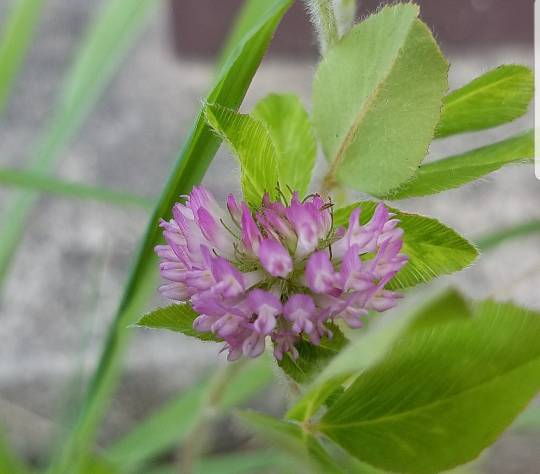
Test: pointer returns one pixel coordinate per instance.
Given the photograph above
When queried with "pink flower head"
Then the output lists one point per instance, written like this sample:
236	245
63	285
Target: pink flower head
280	273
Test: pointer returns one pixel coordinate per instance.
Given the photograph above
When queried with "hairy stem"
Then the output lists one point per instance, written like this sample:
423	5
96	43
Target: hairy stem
345	12
322	15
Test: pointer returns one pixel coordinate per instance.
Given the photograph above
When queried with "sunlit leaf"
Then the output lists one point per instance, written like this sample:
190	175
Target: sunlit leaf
497	97
289	126
377	98
252	145
433	248
443	394
455	171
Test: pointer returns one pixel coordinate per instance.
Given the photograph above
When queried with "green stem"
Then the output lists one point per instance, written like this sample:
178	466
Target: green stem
345	12
322	16
194	444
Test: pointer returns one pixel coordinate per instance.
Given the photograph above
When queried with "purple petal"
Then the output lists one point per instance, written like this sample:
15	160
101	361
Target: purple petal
275	259
320	275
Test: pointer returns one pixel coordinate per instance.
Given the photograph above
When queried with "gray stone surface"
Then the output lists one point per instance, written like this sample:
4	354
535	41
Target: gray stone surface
69	271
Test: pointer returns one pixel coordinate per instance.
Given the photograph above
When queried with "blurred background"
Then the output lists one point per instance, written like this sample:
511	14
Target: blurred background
67	274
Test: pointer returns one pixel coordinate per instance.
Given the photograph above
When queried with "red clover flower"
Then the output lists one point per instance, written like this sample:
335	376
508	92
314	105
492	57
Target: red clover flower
281	271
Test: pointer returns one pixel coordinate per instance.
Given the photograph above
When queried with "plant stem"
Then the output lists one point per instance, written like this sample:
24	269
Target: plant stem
322	15
345	12
196	440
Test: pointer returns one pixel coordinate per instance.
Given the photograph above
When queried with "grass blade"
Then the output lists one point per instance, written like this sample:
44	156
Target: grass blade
17	34
46	184
498	237
9	462
249	462
189	169
170	425
248	16
108	38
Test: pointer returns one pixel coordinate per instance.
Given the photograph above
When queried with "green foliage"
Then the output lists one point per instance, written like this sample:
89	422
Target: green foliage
375	108
288	124
493	239
497	97
366	351
247	462
104	44
9	462
176	317
254	148
313	358
455	171
16	36
171	424
197	153
290	438
433	248
443	394
46	184
447	306
243	463
248	16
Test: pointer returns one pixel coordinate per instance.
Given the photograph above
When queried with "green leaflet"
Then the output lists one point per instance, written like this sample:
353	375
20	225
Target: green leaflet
376	100
254	148
497	97
442	394
17	33
291	131
368	349
445	307
455	171
177	318
433	248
